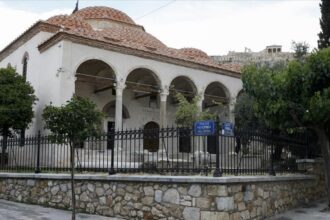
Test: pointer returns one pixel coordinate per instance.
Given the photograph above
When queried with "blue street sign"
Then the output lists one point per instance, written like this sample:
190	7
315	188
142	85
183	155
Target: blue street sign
227	128
204	128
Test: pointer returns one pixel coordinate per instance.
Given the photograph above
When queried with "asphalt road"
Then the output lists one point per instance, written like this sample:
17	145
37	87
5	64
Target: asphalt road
19	211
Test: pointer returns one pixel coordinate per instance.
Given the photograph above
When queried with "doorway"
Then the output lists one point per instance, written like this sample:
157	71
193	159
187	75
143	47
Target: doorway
151	137
111	135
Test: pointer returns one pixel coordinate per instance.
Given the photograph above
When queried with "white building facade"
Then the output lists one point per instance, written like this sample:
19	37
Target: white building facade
102	54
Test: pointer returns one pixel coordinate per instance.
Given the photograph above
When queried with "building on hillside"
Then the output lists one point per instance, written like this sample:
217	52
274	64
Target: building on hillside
271	55
102	54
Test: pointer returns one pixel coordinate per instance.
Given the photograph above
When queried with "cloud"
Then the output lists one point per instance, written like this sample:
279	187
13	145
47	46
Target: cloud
221	26
213	26
14	22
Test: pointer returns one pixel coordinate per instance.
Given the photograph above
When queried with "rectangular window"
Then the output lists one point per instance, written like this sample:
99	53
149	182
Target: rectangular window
184	140
211	144
22	138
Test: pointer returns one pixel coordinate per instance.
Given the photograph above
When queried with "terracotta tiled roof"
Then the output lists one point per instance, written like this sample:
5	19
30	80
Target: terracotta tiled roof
99	12
67	22
235	67
129	36
193	52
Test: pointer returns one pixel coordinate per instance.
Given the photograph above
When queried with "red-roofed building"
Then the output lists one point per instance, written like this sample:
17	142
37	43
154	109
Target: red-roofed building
102	54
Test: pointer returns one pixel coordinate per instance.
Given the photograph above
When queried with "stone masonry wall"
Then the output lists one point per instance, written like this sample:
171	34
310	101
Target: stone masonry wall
157	201
152	200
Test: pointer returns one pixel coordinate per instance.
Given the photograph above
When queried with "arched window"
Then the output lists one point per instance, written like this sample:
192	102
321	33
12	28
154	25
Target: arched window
25	64
151	136
24	73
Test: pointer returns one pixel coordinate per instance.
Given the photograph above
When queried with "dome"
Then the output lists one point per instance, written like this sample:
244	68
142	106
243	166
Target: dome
193	52
132	36
100	12
73	23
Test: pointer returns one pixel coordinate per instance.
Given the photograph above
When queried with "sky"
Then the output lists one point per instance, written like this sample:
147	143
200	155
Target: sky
214	26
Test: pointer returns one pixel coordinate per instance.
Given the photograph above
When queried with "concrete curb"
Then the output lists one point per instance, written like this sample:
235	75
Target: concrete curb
160	179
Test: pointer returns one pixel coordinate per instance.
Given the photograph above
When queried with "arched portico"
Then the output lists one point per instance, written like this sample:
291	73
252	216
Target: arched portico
184	85
216	99
141	93
96	80
97	74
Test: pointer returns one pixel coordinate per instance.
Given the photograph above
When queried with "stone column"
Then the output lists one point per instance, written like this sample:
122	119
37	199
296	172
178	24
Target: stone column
231	108
120	86
200	104
201	98
163	103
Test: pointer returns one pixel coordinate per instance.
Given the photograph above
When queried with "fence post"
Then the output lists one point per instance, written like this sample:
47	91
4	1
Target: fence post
272	155
217	171
38	153
111	135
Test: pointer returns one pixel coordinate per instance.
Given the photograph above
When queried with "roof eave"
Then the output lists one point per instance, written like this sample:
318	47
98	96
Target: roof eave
26	35
130	51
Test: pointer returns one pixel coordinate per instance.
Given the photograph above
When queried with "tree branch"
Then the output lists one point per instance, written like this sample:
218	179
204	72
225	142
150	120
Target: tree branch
295	119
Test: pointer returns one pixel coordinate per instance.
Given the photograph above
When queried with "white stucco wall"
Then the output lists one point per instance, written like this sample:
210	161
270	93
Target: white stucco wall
52	74
40	71
122	65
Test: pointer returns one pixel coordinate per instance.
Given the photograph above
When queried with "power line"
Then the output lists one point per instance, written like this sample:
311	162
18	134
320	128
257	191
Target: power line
157	9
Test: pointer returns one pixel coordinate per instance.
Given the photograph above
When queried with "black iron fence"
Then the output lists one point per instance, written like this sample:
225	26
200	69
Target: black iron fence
165	151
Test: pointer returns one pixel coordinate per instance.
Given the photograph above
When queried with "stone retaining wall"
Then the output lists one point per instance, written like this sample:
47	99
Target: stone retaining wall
150	197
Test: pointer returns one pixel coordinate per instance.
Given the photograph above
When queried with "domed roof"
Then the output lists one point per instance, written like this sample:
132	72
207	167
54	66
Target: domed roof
193	52
101	12
132	36
70	22
116	28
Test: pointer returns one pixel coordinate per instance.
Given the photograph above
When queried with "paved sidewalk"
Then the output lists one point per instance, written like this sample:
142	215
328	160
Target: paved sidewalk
312	211
19	211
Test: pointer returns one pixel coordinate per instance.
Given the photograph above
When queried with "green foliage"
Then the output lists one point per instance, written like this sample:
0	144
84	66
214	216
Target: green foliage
295	96
324	35
16	101
300	50
73	122
245	118
189	112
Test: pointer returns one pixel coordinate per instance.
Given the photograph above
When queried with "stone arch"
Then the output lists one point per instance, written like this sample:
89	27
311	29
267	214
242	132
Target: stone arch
96	74
110	109
148	68
144	85
86	59
216	92
184	85
188	79
143	77
96	67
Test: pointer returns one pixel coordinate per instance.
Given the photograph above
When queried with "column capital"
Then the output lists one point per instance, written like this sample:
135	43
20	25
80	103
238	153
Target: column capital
164	90
120	84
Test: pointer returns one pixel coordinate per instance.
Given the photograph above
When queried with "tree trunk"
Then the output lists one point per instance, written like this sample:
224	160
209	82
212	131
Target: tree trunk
4	147
72	182
325	147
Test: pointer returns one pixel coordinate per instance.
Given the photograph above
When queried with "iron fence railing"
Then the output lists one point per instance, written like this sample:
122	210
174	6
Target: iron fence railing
165	151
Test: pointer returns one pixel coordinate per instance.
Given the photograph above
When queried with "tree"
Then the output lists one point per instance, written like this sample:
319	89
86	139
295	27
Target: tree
16	102
245	121
189	112
295	97
245	118
324	35
300	50
71	124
